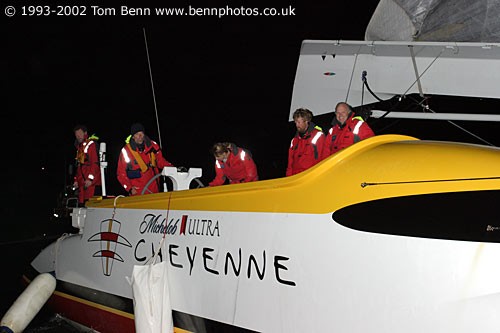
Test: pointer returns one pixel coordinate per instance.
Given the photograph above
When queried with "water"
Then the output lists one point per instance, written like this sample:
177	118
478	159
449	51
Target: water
18	248
56	324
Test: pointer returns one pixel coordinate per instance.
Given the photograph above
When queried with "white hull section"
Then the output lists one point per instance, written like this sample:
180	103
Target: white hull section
297	272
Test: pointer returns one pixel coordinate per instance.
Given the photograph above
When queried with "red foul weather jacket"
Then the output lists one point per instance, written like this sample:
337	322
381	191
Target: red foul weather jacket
239	168
305	150
137	165
340	137
87	168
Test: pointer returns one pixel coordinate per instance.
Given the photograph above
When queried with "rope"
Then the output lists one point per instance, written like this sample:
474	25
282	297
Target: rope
365	83
114	205
453	123
363	79
168	211
414	61
152	87
153	258
420	103
365	184
418	78
352	74
110	225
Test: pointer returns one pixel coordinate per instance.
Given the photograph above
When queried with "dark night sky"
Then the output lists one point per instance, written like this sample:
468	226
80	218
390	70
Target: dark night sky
227	79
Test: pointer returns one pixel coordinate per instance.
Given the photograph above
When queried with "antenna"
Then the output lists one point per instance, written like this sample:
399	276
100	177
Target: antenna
103	164
152	87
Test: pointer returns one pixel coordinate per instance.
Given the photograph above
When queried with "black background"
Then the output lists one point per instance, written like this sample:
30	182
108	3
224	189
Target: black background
214	79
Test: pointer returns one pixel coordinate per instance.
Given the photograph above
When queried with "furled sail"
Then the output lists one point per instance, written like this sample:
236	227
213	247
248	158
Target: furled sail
435	20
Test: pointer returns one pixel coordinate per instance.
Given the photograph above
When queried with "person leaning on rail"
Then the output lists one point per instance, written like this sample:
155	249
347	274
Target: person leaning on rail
140	160
88	176
347	129
306	148
233	163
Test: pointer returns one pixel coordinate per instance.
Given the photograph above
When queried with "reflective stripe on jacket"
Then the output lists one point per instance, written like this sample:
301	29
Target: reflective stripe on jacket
239	168
87	163
338	138
306	150
129	171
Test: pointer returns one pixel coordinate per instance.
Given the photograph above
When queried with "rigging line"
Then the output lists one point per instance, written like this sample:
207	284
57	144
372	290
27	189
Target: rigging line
393	107
414	61
365	184
352	74
470	133
429	66
157	253
168	211
362	90
454	124
152	86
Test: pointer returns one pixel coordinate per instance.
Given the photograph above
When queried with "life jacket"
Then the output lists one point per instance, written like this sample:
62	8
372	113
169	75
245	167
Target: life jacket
318	133
238	168
82	155
305	150
355	130
132	148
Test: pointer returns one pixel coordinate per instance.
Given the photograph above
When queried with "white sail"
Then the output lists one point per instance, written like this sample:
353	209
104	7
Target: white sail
435	20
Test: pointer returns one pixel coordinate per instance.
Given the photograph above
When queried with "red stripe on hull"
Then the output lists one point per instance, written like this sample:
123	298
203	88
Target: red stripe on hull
108	254
91	316
109	236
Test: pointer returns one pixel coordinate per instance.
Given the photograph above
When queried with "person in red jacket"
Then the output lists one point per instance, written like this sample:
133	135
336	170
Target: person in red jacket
140	160
233	163
306	148
347	129
88	173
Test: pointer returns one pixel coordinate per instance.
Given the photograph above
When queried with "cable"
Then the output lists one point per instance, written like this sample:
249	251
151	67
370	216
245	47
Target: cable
365	83
152	87
365	184
352	74
453	123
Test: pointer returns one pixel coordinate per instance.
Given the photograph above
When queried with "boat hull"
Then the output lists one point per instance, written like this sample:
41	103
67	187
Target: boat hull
389	235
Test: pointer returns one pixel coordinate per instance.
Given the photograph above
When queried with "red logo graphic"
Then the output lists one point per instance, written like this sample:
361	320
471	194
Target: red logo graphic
109	237
183	225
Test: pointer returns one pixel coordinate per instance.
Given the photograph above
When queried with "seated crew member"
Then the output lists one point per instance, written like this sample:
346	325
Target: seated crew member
347	129
306	148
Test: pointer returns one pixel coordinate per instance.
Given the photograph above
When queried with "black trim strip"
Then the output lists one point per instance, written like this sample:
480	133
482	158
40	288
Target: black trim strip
466	216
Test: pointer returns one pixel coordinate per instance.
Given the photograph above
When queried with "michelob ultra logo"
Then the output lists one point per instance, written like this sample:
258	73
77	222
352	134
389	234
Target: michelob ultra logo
156	224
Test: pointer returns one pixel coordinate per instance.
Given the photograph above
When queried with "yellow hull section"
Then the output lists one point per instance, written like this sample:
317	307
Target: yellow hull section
380	167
